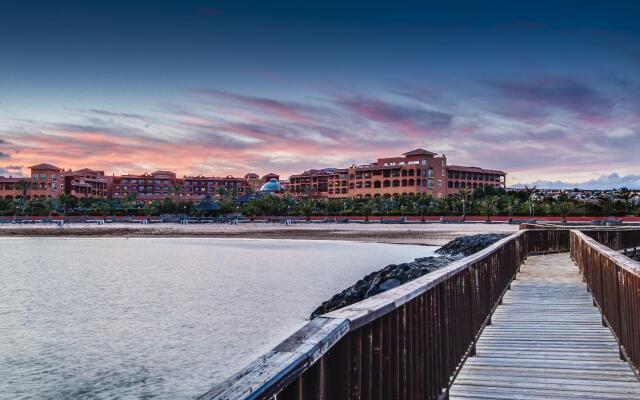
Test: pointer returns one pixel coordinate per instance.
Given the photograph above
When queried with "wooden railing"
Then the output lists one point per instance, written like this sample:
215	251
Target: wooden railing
406	343
614	281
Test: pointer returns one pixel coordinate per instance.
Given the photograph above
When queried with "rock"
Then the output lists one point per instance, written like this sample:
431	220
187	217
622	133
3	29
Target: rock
389	284
467	245
394	275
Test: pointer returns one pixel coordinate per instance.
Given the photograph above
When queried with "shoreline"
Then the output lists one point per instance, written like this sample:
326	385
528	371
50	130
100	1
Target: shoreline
427	234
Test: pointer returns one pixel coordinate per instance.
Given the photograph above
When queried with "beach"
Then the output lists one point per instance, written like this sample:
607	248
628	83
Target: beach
417	233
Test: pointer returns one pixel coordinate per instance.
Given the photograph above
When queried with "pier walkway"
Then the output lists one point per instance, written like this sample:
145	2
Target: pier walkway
546	341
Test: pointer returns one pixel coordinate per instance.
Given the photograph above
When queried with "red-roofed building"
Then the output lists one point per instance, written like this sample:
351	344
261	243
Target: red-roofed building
47	181
461	177
85	183
416	172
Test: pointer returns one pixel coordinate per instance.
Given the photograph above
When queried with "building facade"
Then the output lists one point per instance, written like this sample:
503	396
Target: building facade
155	186
10	188
472	178
415	172
47	181
325	183
85	183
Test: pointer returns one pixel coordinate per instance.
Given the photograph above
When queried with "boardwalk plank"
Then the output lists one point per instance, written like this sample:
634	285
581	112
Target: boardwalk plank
546	342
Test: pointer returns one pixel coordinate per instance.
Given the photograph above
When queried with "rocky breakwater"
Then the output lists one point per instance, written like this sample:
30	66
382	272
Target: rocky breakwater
397	274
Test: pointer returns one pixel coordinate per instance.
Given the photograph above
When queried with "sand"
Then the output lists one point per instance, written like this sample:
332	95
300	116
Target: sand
424	234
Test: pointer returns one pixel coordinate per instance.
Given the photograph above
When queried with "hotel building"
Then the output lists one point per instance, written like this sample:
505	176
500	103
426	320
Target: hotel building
416	172
155	186
85	183
9	188
460	177
325	183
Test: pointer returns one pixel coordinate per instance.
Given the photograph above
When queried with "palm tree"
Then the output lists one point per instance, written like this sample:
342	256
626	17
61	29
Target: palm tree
530	192
564	208
307	207
489	206
24	186
366	209
464	196
625	194
129	202
424	203
65	200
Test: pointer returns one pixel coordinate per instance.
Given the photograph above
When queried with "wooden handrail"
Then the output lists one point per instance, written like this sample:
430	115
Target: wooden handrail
408	342
614	281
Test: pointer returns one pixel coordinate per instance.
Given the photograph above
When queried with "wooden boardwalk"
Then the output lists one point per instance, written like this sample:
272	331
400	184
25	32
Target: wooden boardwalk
546	342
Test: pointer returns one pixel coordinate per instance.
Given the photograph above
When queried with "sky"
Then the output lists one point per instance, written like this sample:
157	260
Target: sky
548	91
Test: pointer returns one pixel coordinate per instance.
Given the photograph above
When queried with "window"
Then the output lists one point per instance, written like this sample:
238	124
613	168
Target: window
430	183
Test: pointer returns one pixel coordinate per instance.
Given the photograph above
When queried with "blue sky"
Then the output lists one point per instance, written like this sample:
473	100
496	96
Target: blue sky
547	91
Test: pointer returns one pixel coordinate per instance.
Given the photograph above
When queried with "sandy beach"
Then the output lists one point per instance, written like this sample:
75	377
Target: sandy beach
424	234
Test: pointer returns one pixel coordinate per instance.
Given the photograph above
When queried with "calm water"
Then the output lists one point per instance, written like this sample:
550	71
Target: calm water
159	318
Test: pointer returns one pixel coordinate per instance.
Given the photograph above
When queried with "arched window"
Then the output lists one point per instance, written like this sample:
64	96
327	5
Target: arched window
387	183
457	185
367	184
352	185
358	185
450	184
404	172
377	184
396	183
462	185
411	172
404	182
412	182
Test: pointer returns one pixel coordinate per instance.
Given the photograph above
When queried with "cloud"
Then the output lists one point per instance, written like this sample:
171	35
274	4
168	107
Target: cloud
4	155
400	121
540	97
223	132
611	181
14	170
115	114
287	110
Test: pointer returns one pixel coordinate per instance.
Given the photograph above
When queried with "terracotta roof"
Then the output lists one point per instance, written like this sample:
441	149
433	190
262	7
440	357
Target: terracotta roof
475	169
419	152
87	171
44	166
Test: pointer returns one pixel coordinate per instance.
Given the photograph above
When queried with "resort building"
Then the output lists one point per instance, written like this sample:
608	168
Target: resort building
460	177
416	172
200	185
158	185
161	185
47	181
328	182
85	183
10	188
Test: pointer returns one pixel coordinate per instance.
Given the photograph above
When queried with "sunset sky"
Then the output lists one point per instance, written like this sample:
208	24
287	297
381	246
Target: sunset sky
546	91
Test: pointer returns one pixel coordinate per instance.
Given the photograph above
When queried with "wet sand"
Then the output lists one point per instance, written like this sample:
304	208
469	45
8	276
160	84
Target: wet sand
424	234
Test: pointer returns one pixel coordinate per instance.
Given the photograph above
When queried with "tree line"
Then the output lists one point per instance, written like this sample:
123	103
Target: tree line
486	201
